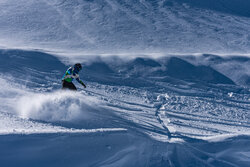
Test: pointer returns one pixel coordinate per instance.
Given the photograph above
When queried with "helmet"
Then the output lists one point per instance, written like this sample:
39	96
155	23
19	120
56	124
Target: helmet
78	66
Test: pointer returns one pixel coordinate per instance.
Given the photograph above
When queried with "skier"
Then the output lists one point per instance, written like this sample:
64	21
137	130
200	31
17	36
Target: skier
70	74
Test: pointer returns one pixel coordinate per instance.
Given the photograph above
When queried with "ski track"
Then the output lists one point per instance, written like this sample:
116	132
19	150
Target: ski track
178	122
171	115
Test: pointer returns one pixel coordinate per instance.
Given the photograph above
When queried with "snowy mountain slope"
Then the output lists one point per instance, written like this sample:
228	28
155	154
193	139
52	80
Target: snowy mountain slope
150	100
182	26
143	112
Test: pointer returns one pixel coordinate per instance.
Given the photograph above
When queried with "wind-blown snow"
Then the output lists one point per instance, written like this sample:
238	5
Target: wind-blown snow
14	125
23	105
66	105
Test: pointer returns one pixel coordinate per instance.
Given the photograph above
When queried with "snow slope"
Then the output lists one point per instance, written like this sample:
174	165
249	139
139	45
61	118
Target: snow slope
113	26
151	100
170	111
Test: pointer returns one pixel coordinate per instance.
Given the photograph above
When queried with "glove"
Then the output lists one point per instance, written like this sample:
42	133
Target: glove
83	85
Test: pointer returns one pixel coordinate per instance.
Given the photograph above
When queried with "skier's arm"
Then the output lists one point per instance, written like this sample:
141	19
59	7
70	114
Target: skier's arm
78	79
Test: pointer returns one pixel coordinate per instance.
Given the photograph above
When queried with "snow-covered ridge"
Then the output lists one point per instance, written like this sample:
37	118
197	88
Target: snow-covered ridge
112	26
206	68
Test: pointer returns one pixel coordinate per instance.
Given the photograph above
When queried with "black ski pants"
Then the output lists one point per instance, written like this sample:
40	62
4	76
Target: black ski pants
68	85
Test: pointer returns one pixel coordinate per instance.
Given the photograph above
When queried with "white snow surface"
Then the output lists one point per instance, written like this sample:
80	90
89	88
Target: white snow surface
114	26
136	112
14	125
26	105
158	93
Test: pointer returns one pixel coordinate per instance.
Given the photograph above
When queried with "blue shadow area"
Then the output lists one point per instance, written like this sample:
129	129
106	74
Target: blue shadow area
31	68
233	7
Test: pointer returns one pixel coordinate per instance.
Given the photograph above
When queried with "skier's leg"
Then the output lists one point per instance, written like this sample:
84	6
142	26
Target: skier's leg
64	85
72	86
68	85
